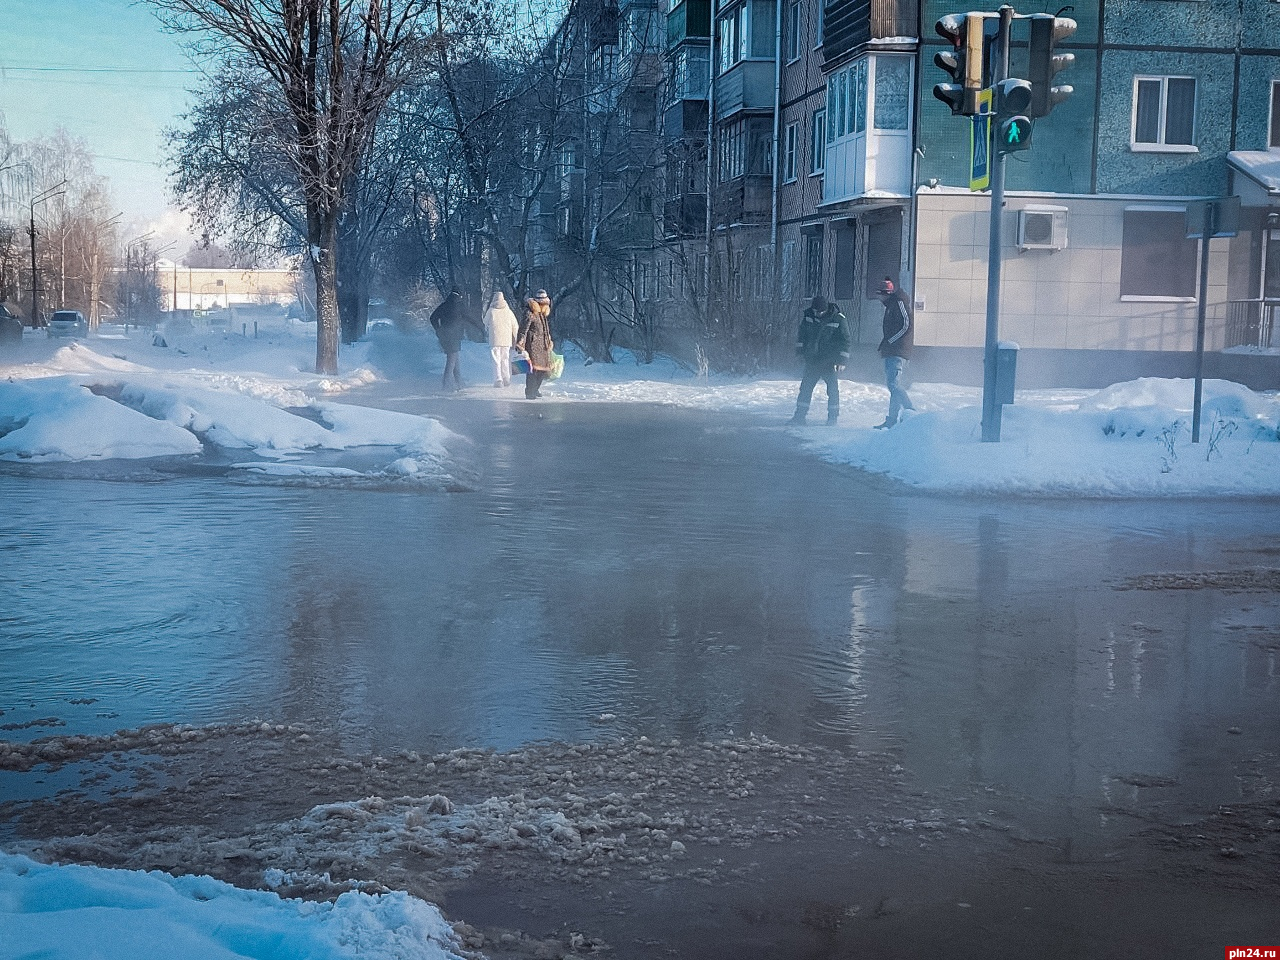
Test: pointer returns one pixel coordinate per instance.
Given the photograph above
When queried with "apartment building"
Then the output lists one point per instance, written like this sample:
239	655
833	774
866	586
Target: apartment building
803	199
1174	102
848	102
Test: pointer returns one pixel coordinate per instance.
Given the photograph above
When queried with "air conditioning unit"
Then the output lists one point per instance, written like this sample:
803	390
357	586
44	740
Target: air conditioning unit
1042	228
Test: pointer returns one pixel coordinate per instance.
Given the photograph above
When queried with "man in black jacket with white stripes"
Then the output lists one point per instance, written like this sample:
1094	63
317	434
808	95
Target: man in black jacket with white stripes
895	347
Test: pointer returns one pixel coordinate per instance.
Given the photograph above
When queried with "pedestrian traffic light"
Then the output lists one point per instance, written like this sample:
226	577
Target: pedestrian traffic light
1046	31
1014	97
1014	131
963	63
1014	135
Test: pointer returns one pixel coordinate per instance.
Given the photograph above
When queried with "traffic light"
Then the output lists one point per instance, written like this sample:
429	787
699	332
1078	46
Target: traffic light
1013	96
1046	31
963	63
1014	135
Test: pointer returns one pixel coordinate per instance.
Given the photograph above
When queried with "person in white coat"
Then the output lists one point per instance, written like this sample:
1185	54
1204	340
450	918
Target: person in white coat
502	327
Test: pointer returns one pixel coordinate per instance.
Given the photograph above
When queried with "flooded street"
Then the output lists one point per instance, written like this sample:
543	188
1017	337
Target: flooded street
845	720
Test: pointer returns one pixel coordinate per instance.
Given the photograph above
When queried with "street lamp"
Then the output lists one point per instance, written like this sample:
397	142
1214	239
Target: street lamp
54	191
128	274
95	316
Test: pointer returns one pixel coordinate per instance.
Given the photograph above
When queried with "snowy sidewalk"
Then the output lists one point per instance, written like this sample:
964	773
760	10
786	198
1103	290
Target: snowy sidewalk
121	396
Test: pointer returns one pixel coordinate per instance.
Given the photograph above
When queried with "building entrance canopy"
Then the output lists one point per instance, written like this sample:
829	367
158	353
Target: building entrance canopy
1256	177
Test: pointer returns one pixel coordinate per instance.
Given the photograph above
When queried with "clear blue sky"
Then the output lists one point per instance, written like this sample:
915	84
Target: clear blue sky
105	71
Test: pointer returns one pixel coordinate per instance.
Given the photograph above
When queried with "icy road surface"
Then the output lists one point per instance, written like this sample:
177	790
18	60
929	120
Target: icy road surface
643	686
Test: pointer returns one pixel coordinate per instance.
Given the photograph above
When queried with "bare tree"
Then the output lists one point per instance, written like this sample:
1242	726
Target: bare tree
334	64
64	207
232	175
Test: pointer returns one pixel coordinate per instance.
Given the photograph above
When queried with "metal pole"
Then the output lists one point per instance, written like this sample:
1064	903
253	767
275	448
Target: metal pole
1209	226
991	409
35	277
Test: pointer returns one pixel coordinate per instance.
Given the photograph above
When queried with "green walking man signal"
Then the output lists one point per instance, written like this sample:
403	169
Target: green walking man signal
1015	134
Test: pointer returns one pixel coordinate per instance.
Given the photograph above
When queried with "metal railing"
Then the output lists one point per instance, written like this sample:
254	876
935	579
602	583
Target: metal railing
1250	323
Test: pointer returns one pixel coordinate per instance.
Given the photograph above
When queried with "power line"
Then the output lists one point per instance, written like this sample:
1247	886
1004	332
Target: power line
99	70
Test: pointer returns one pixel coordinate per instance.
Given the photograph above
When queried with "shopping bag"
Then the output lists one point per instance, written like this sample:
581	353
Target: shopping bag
557	366
520	365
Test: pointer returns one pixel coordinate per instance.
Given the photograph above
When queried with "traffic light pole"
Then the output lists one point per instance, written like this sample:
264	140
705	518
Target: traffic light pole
991	408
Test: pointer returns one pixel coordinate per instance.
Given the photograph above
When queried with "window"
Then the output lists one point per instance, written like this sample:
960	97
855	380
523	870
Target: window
787	268
793	32
813	265
1273	139
738	260
638	32
818	142
745	147
689	73
567	167
1164	113
761	270
790	140
603	74
1157	260
733	35
847	101
893	92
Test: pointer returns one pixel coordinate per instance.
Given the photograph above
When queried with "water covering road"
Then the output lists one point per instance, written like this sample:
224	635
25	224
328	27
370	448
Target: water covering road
619	571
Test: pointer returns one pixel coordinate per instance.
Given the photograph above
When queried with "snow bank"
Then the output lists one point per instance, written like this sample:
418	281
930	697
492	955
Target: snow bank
74	403
1128	440
89	913
62	419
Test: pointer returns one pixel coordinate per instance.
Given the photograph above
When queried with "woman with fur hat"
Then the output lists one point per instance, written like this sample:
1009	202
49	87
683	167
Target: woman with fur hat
501	327
535	341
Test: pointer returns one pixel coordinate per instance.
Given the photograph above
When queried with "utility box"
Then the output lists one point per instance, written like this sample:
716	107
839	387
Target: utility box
1006	370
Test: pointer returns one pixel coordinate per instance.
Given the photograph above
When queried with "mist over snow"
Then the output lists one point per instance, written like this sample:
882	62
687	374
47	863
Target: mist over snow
254	402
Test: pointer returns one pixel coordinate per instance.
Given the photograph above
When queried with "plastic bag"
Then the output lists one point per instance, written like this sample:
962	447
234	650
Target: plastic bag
557	366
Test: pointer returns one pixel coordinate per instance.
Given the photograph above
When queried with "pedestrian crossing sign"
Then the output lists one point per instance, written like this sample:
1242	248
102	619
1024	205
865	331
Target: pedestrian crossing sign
980	144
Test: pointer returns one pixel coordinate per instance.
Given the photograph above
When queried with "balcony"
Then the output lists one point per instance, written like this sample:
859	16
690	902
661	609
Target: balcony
604	26
744	200
686	119
747	85
685	216
689	20
849	25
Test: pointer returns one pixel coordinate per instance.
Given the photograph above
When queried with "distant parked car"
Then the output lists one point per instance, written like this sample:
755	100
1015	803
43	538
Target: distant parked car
10	327
68	323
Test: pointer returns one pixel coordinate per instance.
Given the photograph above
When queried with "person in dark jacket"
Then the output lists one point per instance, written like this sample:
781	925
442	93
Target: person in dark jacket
895	347
823	344
450	321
